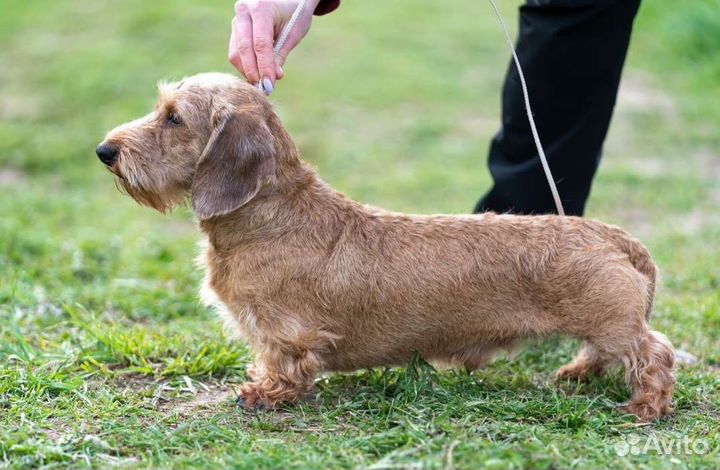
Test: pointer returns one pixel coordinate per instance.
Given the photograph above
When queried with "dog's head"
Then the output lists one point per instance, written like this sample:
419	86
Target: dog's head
208	135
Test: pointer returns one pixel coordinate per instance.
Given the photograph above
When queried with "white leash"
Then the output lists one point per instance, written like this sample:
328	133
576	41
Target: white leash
288	27
283	39
541	152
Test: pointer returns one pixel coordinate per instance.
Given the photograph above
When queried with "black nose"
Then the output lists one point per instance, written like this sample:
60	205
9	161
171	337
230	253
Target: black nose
106	153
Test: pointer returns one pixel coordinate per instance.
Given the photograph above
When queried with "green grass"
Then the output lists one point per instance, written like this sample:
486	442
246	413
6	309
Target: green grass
106	356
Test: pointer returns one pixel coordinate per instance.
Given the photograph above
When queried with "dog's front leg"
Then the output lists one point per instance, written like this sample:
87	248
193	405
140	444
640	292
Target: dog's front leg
279	376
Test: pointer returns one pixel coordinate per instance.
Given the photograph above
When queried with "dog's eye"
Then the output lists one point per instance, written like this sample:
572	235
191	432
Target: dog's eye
174	119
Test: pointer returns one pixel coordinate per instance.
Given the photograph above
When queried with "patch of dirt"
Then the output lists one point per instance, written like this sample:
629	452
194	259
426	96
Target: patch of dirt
709	163
694	222
18	106
472	125
203	399
642	223
636	221
715	197
702	164
637	94
134	382
11	176
182	397
60	432
710	166
644	167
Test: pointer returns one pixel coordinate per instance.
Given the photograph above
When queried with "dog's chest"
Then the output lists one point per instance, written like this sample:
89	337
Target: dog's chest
219	290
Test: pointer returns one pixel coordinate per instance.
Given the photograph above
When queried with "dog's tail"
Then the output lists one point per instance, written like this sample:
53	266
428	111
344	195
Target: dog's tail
641	259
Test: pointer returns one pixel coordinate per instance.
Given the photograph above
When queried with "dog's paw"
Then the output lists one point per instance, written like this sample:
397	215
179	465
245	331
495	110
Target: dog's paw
252	398
646	412
240	401
573	371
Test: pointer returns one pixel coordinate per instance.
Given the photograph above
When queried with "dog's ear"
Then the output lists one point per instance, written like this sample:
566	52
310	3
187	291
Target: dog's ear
238	158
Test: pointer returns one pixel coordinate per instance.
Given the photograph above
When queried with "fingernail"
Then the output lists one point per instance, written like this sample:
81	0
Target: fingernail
267	86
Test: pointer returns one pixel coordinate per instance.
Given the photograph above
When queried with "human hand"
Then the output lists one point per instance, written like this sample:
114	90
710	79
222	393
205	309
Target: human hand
255	28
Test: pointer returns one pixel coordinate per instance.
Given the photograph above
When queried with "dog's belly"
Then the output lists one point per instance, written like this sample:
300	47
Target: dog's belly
388	334
393	337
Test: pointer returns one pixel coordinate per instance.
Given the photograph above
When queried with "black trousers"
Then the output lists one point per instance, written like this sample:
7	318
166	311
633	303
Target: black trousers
572	53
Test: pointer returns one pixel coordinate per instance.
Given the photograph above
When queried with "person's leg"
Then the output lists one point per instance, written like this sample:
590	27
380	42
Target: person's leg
572	53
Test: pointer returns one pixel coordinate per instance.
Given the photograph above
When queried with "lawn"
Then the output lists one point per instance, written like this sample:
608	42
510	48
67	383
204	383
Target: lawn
108	359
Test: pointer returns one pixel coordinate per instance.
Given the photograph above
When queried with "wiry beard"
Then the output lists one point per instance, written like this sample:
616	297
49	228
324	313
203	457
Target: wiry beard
163	202
162	196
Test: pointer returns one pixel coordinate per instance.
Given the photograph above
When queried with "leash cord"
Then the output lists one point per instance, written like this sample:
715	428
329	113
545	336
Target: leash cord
284	34
289	27
541	152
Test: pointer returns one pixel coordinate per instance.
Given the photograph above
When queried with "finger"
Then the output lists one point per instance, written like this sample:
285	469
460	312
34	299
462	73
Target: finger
263	34
233	52
241	49
279	72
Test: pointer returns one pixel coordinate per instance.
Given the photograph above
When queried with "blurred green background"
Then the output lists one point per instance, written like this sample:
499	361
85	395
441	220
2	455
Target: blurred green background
106	357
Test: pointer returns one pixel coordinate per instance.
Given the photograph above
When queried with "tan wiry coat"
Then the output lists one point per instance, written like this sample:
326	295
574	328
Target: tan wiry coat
316	282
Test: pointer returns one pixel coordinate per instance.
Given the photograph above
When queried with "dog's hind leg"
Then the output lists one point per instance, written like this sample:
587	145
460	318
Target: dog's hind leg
587	362
648	359
649	373
480	355
611	315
